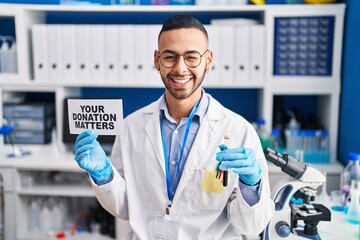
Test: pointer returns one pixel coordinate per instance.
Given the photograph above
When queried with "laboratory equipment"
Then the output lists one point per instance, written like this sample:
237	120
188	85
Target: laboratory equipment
32	121
276	141
301	184
8	55
314	144
34	216
337	204
226	173
350	172
324	197
353	213
293	124
17	151
262	132
4	49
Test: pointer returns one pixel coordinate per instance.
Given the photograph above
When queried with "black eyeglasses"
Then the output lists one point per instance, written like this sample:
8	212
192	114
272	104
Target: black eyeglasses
192	59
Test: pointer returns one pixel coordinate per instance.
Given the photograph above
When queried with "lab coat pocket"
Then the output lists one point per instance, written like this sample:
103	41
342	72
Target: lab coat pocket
208	193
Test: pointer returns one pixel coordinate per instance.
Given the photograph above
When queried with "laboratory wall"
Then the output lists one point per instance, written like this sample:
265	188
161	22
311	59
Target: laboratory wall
349	119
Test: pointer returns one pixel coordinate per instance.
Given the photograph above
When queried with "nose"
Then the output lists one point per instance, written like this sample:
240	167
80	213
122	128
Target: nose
180	65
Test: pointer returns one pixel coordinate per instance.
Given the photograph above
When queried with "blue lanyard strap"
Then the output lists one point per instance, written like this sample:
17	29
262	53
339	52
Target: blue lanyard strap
167	170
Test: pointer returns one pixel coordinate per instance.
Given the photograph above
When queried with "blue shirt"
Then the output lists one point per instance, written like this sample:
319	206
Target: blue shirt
174	135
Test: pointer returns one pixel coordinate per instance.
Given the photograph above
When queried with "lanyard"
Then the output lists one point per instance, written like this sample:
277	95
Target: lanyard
167	170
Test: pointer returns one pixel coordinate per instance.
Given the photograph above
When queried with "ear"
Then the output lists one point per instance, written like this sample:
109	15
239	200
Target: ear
209	60
156	60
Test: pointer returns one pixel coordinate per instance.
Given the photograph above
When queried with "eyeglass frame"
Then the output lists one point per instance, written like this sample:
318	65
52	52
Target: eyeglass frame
183	55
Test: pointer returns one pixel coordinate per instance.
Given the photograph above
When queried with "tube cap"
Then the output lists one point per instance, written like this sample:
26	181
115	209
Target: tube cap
353	156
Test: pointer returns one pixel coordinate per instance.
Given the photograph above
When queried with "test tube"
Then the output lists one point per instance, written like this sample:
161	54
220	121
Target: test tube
226	172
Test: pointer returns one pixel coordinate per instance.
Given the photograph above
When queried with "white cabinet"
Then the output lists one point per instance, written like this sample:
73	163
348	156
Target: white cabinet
8	204
324	87
46	194
53	201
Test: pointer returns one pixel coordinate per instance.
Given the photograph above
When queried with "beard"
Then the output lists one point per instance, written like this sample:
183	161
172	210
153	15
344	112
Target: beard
182	93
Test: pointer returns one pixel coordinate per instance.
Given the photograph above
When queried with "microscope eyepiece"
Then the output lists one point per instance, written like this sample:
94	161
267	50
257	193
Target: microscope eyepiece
274	157
288	164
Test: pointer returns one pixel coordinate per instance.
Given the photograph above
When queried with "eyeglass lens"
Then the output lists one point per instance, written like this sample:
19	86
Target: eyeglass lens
191	59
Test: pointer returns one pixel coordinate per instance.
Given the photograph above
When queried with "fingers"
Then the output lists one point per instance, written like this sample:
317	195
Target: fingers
89	146
83	135
236	158
85	140
82	158
248	170
84	161
231	154
236	164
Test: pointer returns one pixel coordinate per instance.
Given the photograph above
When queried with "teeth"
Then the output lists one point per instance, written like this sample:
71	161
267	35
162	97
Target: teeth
181	81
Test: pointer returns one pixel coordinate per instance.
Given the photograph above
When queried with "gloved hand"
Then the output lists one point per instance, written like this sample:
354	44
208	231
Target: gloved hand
91	157
242	161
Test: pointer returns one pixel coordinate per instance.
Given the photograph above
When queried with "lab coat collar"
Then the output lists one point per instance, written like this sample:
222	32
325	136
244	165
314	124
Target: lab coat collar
199	113
216	113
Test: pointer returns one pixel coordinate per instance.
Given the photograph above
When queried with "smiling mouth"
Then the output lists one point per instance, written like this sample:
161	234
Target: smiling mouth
181	81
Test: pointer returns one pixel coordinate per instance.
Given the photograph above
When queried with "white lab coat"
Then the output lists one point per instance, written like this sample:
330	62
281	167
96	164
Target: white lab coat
138	189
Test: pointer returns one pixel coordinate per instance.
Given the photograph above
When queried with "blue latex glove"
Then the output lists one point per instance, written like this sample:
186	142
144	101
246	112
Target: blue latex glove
242	161
91	157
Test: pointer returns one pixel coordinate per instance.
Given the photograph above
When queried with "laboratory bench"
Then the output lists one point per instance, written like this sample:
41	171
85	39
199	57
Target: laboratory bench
338	228
52	158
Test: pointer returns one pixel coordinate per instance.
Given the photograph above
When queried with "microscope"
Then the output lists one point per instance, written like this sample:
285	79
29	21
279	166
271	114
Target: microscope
294	196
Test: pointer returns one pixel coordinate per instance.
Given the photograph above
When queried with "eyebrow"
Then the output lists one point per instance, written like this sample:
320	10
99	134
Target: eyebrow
173	52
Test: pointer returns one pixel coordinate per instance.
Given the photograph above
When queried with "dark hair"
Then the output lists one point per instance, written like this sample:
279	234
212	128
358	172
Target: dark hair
182	21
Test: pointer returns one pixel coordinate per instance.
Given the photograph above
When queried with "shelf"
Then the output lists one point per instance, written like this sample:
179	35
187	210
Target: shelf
29	87
58	190
42	157
304	85
296	84
40	86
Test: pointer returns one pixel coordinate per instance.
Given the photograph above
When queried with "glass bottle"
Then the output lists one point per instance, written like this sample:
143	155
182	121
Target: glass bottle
353	213
276	140
262	132
350	172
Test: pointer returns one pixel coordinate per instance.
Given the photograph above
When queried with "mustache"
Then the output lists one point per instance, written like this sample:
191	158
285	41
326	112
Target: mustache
180	75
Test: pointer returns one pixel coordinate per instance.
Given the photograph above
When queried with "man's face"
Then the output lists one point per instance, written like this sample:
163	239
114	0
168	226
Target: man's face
182	81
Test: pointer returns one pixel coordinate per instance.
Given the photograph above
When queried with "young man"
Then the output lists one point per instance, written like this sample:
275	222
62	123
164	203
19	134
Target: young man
166	170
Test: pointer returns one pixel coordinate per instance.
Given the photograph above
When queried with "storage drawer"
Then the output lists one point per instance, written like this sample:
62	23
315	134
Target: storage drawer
34	124
29	137
31	110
